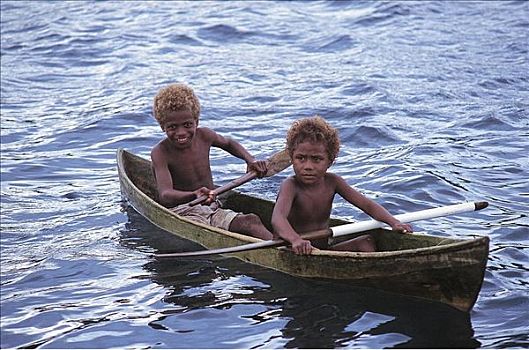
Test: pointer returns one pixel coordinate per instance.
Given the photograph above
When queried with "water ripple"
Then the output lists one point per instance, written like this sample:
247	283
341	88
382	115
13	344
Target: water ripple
429	98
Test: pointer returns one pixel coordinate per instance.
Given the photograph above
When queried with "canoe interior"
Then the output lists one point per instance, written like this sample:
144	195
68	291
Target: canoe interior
441	269
140	173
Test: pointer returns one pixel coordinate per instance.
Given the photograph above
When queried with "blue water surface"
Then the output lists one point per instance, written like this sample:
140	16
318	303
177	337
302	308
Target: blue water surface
431	102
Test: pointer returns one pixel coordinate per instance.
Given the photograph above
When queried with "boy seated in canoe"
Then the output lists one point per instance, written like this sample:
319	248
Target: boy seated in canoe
304	201
181	163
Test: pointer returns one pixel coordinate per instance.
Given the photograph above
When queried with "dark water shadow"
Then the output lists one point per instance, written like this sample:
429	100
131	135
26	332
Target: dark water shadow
320	314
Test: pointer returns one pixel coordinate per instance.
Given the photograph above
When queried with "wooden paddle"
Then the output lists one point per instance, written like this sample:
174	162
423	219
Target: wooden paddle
342	230
276	163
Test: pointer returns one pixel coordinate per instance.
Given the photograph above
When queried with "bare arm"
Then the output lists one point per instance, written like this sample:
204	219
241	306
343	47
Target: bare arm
280	223
370	207
236	149
168	196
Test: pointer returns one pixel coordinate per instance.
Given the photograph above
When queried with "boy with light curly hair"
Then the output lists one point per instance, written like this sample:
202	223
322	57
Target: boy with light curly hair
182	168
304	201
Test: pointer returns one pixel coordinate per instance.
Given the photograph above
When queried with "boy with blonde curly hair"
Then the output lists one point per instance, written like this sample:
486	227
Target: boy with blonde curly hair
182	168
304	201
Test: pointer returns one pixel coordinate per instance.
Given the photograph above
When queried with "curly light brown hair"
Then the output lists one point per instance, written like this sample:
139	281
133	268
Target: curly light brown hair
314	129
175	97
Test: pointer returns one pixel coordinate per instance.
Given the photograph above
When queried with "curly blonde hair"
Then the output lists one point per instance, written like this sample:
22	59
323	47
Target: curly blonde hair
175	97
314	129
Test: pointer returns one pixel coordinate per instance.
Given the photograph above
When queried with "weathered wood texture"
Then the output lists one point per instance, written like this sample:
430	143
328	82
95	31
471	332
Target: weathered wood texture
441	269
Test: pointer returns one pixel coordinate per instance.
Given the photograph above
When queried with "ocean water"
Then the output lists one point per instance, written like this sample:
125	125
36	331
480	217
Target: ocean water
431	102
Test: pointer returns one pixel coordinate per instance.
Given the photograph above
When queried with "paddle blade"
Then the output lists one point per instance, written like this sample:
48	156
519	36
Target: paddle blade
278	162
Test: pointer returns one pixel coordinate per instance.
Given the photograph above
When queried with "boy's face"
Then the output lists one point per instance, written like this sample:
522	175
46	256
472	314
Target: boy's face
180	127
310	162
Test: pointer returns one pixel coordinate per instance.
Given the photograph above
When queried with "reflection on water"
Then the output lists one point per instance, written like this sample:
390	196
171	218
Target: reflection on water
430	99
279	310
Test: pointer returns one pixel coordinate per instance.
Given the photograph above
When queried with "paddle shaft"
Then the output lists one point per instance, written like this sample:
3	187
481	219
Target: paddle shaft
224	188
341	230
276	163
409	217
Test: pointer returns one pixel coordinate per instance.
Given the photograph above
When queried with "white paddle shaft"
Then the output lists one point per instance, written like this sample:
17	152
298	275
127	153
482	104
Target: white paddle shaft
347	229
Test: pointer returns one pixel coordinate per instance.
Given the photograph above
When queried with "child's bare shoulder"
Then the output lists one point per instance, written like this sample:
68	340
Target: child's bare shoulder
158	147
158	153
205	133
332	176
289	183
333	179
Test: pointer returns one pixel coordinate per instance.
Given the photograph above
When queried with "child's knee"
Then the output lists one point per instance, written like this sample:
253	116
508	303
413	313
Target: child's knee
368	243
252	225
252	220
248	222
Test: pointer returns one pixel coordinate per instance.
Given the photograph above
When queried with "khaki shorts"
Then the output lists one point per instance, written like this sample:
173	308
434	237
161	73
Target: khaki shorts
212	215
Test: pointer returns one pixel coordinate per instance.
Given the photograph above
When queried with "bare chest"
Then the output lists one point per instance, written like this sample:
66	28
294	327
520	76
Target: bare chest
311	209
191	169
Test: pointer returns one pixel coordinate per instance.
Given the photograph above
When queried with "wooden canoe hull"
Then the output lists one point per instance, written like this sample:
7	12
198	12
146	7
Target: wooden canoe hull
439	269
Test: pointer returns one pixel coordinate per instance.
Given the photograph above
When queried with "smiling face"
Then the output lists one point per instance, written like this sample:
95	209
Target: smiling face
310	161
180	127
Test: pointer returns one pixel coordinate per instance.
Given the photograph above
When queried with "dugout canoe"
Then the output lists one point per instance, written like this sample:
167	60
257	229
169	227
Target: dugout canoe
439	269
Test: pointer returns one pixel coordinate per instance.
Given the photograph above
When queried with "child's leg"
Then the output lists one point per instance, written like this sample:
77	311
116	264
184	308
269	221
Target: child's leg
364	243
251	225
